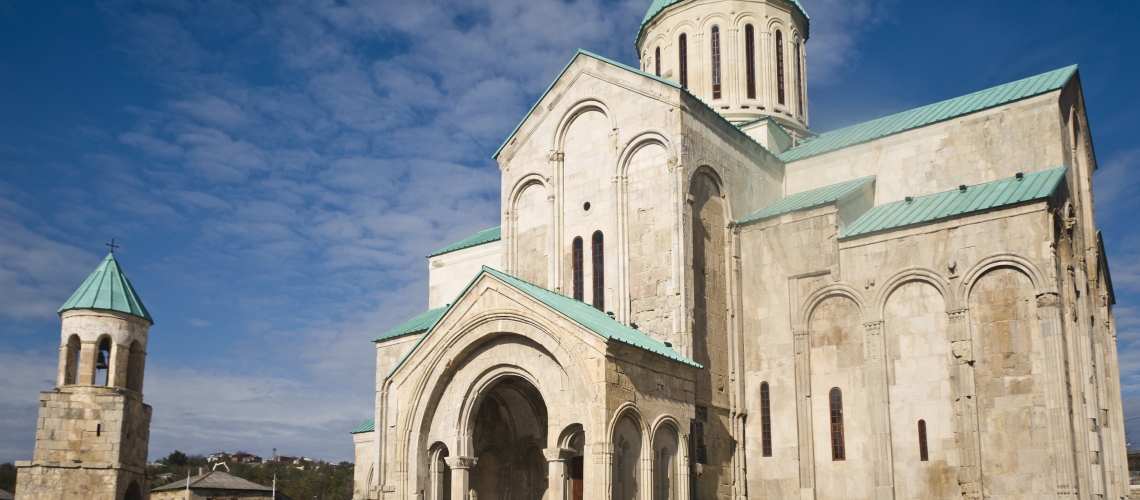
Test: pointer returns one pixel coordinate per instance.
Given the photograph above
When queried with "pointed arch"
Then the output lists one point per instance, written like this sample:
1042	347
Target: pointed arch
917	273
1002	259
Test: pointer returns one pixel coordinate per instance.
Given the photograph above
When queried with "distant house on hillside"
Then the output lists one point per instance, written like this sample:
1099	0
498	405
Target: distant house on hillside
215	484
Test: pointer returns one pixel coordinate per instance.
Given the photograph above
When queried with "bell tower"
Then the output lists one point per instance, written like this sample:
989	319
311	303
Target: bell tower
93	428
746	59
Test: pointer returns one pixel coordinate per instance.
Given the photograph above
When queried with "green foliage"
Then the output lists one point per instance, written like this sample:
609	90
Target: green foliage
316	482
8	478
176	458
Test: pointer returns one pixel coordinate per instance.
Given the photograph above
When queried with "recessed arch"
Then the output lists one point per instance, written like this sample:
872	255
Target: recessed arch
923	274
578	109
1002	259
641	140
817	297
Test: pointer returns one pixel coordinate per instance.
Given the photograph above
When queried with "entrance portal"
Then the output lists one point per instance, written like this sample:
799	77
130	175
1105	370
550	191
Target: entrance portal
508	437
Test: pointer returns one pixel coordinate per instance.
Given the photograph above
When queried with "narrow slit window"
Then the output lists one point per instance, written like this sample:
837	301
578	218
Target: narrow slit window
576	263
750	60
657	61
716	62
835	399
682	61
599	271
799	82
923	452
779	67
98	430
765	419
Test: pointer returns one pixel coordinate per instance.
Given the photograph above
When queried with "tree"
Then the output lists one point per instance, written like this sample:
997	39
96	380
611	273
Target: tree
176	458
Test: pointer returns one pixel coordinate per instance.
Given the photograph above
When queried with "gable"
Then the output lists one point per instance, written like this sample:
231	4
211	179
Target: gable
591	320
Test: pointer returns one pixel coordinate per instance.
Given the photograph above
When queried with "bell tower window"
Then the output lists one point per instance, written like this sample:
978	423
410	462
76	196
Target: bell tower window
716	62
750	61
779	67
682	60
799	81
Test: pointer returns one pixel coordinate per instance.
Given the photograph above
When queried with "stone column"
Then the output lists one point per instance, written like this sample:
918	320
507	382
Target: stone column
88	352
965	406
1056	401
803	414
880	411
603	475
460	476
558	473
117	371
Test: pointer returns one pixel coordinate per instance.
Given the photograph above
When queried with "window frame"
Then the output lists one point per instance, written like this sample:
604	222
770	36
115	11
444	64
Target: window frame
765	420
682	59
714	45
835	413
799	81
750	61
597	256
780	68
577	254
923	449
657	61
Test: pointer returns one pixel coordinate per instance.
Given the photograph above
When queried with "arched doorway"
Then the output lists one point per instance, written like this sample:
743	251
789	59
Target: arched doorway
507	437
133	492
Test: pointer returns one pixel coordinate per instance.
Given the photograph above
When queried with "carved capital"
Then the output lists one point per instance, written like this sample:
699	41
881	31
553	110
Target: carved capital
557	454
461	462
1048	299
957	315
963	350
874	327
556	156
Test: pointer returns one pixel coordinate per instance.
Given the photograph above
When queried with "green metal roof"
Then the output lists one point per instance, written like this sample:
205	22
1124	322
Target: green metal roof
995	194
368	426
808	199
930	114
484	236
578	312
659	5
108	289
420	323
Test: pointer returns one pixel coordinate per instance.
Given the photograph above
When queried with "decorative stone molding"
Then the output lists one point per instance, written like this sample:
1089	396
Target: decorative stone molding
1048	299
461	462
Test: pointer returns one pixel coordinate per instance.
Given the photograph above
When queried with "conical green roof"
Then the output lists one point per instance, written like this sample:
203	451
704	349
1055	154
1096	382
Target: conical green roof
109	289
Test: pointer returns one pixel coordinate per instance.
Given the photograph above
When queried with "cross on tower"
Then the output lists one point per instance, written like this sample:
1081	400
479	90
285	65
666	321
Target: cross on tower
112	245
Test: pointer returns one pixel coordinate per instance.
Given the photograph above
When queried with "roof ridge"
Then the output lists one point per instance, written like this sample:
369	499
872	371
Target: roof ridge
807	199
930	114
480	237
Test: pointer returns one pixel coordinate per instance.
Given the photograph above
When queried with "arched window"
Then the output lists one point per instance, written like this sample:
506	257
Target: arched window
799	82
750	61
657	61
835	399
780	66
103	363
682	59
576	263
71	364
716	61
923	452
599	271
765	420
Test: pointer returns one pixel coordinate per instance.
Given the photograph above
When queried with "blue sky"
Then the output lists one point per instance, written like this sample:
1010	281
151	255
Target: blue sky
275	171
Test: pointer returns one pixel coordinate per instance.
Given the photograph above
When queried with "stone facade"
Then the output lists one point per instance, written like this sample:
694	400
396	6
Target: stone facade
93	429
970	355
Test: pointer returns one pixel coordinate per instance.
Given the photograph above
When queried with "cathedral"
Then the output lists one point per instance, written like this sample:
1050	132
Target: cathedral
692	295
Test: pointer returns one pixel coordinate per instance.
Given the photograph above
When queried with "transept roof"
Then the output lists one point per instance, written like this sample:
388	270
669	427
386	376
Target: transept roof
419	323
930	114
807	199
484	236
107	288
1017	189
368	426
